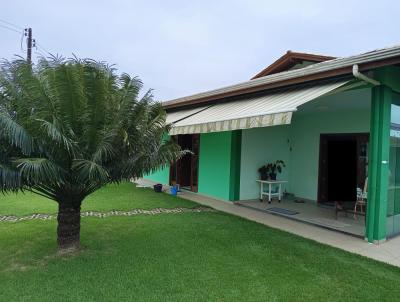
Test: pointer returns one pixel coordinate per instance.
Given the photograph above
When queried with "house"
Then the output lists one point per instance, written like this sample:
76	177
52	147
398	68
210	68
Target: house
335	122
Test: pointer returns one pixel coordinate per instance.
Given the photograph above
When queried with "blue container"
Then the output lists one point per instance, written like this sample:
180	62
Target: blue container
174	190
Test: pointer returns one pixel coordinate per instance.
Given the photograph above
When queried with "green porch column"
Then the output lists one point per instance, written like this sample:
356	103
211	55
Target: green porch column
378	168
219	164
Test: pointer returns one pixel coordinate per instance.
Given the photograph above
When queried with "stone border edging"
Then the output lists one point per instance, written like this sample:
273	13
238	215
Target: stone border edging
155	211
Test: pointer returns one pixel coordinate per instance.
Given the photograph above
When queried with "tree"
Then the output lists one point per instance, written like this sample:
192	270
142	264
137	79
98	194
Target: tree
69	127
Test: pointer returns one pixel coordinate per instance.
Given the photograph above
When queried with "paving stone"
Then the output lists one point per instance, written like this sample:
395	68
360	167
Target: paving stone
134	212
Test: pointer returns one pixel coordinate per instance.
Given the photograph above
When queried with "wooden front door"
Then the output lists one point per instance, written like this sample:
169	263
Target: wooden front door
194	182
342	166
185	171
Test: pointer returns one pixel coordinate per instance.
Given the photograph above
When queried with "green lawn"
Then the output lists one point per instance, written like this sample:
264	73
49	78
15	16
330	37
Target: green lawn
177	257
113	197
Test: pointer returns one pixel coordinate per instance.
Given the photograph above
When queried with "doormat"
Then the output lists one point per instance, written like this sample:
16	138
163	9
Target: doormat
282	211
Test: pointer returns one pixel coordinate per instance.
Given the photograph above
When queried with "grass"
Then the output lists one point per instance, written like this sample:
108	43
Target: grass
113	197
180	257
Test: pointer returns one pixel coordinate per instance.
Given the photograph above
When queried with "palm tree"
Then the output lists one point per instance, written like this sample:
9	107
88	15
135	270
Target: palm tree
69	127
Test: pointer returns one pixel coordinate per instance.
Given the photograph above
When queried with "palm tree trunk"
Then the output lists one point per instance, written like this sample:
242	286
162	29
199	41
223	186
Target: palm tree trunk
69	226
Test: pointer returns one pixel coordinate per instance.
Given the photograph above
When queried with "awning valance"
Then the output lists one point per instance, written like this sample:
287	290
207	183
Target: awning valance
262	111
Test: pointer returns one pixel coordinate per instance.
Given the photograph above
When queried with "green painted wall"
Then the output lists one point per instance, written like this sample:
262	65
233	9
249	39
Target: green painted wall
259	146
215	164
305	139
161	176
302	137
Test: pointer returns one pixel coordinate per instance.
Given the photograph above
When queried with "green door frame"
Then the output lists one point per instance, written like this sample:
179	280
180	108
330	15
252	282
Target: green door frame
378	167
236	151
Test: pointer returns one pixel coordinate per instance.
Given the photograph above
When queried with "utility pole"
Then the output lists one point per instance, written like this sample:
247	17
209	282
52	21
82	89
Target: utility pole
30	42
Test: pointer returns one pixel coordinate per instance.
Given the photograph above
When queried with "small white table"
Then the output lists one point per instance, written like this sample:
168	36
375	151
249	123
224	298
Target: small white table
270	185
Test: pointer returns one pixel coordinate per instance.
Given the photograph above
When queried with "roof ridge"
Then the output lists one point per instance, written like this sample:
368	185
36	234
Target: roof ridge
288	60
347	57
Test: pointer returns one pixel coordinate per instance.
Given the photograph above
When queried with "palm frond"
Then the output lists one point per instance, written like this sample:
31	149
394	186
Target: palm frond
10	179
105	149
56	136
35	171
15	134
88	171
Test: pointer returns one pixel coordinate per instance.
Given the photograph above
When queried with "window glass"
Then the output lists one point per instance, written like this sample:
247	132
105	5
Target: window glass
393	210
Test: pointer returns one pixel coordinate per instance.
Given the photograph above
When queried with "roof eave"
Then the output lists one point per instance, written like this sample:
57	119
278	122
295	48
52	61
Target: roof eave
347	70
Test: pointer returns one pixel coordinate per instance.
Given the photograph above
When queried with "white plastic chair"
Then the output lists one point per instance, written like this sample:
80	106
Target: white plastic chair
361	201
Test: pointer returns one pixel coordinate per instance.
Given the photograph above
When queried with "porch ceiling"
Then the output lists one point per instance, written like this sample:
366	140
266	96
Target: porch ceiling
350	100
262	111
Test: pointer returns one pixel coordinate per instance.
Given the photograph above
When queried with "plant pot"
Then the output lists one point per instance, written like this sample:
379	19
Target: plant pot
157	188
272	176
264	176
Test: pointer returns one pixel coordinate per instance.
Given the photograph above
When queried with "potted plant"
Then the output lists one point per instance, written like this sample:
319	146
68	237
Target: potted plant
264	172
275	168
269	171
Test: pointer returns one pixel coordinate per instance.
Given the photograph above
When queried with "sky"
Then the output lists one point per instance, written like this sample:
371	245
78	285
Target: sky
179	48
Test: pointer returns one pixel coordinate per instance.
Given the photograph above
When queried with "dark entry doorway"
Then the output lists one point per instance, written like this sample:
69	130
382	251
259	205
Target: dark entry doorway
342	167
185	171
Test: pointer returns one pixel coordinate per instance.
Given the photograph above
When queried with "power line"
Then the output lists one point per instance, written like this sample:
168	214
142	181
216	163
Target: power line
40	53
13	27
30	41
12	24
9	28
42	48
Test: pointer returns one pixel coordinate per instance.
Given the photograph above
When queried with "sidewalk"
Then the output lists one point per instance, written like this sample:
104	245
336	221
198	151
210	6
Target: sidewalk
388	251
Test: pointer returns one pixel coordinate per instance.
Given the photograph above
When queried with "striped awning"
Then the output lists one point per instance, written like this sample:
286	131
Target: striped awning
261	111
174	117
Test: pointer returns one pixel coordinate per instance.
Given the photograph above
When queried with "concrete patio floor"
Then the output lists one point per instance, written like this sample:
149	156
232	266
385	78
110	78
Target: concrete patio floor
388	252
310	212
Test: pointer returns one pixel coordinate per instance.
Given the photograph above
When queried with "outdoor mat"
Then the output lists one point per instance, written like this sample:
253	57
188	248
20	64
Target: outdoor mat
282	211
